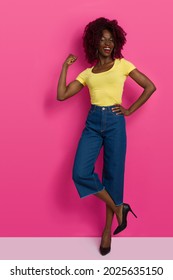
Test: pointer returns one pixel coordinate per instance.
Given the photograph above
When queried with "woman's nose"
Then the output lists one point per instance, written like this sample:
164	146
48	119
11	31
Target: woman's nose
108	42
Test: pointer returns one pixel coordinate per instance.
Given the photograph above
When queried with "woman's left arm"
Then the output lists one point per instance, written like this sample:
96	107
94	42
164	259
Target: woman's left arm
149	88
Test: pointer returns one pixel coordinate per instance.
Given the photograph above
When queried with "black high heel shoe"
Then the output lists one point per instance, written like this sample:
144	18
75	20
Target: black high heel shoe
126	210
105	250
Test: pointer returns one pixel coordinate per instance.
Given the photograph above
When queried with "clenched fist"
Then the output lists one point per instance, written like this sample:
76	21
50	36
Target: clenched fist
70	59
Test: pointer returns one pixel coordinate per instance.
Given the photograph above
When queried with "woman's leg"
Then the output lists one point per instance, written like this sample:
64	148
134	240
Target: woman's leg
109	218
114	163
113	172
117	209
106	235
111	208
86	180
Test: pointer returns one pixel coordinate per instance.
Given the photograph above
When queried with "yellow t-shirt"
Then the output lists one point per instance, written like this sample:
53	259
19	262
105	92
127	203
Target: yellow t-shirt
106	88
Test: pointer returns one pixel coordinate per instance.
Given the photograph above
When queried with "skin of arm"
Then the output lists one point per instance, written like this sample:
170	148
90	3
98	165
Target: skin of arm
65	91
149	88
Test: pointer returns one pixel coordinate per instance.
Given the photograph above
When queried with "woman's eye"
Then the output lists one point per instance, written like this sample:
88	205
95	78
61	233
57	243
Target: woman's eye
102	39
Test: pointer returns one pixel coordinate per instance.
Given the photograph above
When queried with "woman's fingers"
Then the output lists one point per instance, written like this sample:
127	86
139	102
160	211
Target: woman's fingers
70	59
118	109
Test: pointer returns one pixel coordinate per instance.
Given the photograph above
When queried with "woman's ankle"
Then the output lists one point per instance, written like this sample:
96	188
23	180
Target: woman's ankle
119	214
107	230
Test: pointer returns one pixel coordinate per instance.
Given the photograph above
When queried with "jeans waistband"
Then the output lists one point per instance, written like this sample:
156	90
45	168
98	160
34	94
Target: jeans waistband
101	108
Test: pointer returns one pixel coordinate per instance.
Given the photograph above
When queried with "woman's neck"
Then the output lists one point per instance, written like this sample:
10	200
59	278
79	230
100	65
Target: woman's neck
104	61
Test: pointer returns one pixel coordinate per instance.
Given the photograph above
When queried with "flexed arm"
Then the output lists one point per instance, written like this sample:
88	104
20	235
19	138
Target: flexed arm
65	91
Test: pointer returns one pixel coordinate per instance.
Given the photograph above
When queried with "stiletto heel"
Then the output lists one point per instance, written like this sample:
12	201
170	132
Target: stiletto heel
126	209
133	213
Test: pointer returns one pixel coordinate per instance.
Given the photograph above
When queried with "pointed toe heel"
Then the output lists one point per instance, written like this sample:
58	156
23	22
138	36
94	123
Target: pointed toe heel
126	209
104	251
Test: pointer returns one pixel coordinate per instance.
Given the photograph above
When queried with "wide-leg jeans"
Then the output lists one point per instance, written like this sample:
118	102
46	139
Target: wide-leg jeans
103	128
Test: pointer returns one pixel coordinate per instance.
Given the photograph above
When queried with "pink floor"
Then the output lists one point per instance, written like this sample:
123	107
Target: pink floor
85	249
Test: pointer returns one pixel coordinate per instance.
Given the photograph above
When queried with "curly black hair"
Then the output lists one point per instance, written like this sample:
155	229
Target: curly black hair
92	35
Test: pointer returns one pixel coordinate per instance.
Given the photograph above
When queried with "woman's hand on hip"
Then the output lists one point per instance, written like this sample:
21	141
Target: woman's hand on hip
120	110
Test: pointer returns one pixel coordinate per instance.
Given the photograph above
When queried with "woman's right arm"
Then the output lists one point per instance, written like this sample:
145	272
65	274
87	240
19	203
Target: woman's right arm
65	91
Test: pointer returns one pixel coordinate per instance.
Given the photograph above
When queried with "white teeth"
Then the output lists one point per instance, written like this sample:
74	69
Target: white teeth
106	48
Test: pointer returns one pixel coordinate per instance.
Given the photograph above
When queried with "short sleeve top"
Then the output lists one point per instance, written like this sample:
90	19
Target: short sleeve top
106	88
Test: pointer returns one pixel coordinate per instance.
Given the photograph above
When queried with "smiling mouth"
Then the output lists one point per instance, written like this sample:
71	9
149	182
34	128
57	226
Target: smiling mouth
107	50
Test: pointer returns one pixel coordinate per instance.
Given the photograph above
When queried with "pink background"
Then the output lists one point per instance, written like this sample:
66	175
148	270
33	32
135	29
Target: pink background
39	135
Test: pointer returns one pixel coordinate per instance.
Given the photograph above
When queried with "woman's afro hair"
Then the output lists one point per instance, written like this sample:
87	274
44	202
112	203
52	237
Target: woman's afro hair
92	35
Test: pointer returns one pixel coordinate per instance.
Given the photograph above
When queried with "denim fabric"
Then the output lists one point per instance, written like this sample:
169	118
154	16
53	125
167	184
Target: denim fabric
103	128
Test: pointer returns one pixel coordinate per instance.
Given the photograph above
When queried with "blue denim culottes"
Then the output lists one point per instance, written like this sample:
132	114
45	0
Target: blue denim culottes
103	128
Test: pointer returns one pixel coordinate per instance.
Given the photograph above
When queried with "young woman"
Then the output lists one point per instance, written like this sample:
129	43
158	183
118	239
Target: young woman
103	41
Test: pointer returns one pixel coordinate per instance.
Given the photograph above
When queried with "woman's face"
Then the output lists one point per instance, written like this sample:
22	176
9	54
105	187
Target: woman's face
106	43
